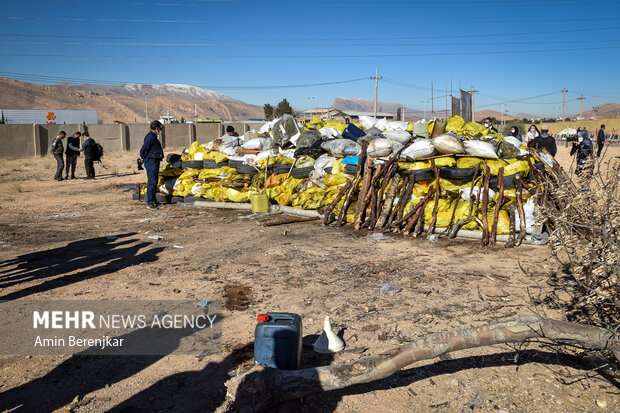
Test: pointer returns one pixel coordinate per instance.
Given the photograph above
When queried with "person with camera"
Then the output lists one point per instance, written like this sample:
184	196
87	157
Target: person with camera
151	155
584	149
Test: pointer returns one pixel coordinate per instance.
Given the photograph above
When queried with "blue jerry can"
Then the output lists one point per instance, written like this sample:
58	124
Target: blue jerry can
277	341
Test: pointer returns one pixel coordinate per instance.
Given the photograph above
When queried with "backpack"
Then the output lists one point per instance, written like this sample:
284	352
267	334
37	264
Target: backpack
97	151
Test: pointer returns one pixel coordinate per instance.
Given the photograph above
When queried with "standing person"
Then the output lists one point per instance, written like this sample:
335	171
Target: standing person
151	154
57	150
514	131
72	153
531	134
488	124
600	141
88	147
584	150
544	141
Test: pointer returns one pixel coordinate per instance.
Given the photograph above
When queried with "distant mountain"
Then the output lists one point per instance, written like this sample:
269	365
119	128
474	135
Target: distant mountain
363	105
606	110
126	104
138	90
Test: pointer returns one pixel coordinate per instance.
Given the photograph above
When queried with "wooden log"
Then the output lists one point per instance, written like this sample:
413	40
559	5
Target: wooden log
431	227
456	204
389	199
286	220
519	199
330	207
485	206
419	211
362	201
355	183
261	389
498	205
407	196
400	191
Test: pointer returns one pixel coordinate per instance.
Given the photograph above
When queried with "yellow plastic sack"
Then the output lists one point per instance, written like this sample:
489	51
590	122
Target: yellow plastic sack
442	205
453	185
334	180
468	162
410	127
189	173
194	148
236	195
171	172
454	123
304	161
473	130
338	167
216	156
503	221
445	162
222	172
339	126
414	166
349	216
495	164
517	166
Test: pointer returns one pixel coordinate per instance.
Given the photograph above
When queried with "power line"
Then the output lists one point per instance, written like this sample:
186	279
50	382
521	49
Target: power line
352	56
330	39
348	5
46	78
298	23
348	44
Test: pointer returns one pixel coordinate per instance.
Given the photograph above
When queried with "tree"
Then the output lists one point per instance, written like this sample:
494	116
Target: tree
283	108
399	114
268	109
182	119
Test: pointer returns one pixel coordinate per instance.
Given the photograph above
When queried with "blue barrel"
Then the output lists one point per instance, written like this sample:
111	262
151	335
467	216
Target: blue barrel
277	341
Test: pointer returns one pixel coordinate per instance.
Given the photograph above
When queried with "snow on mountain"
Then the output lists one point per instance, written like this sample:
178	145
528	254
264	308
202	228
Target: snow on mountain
140	90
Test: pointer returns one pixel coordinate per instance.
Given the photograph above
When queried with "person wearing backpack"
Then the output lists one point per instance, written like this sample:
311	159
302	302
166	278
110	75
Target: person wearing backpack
72	153
584	149
57	149
152	154
90	155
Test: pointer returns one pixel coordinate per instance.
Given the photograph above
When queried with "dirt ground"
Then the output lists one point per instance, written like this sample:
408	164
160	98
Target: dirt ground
57	232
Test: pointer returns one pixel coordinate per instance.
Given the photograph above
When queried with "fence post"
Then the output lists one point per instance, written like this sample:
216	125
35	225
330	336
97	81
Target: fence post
124	140
36	135
192	133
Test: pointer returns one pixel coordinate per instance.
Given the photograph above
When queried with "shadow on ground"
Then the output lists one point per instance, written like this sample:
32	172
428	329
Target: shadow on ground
75	262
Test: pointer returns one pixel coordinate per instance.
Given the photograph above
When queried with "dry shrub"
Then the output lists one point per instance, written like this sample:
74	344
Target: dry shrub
584	212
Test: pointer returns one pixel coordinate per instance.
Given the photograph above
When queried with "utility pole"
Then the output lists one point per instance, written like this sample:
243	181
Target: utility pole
376	88
581	98
503	104
473	112
432	99
146	106
564	104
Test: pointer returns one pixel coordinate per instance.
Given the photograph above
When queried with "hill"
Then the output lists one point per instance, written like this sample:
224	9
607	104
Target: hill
606	110
124	107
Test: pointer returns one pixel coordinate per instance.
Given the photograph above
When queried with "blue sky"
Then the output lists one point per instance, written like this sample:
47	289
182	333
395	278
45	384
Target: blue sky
521	53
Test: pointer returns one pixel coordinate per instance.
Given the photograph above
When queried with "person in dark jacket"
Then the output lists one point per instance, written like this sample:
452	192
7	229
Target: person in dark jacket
514	131
88	147
57	150
152	154
72	153
544	141
230	131
584	150
600	141
488	124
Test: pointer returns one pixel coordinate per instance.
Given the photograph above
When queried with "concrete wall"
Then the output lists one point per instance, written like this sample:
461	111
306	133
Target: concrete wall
206	132
22	141
17	140
108	136
178	135
135	136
